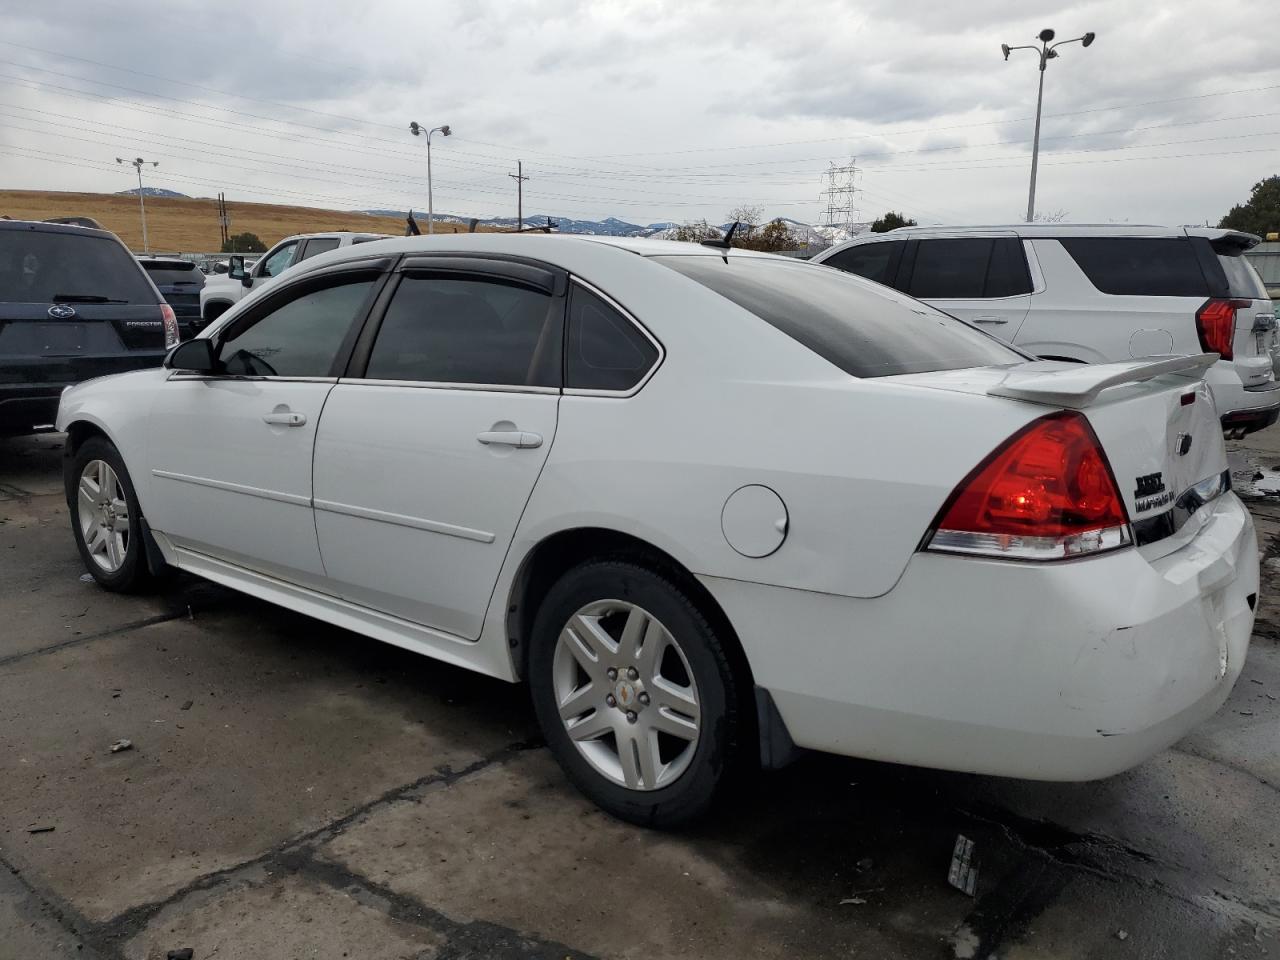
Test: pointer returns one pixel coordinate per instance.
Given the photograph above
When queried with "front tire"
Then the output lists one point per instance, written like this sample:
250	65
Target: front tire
106	519
634	692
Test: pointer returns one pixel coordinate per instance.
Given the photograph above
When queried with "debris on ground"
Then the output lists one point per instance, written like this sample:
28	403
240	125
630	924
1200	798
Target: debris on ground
187	705
1122	934
86	578
41	829
856	901
186	953
963	874
121	745
865	864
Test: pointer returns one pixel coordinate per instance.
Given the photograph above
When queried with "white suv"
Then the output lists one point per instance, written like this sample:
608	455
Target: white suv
1096	293
222	291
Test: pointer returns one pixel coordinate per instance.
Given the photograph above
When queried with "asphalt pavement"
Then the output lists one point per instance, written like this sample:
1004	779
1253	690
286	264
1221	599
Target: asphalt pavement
295	790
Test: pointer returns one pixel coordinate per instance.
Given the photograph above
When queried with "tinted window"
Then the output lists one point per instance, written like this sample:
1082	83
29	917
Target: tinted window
279	261
606	351
1007	274
865	331
1139	266
950	269
319	245
870	260
36	267
453	330
173	272
300	338
1242	280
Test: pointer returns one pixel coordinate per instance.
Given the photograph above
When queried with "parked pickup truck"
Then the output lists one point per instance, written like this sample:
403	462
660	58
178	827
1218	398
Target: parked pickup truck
222	290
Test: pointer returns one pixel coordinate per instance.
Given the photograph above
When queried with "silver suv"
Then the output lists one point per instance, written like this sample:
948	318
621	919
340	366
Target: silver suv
1093	293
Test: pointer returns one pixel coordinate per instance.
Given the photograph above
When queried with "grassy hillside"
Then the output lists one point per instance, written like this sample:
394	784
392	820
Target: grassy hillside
184	225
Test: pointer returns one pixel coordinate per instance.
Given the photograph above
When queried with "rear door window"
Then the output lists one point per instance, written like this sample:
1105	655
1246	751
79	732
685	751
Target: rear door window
468	330
319	245
43	267
951	269
172	272
864	332
875	261
1007	274
1139	266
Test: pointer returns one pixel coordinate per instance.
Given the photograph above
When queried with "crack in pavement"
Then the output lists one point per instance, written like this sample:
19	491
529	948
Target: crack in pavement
62	912
90	638
109	936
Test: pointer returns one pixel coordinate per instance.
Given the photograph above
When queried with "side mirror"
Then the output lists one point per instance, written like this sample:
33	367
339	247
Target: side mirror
194	356
236	271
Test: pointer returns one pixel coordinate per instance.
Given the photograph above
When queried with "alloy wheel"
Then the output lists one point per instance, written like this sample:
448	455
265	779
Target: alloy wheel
626	695
103	515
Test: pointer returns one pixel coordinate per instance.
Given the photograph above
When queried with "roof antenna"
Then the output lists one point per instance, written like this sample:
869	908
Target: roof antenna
724	242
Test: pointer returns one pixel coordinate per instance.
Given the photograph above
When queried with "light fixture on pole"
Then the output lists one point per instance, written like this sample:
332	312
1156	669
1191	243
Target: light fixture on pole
138	163
418	129
1046	51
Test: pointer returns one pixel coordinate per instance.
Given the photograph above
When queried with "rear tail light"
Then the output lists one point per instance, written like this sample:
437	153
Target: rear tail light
170	320
1046	493
1216	326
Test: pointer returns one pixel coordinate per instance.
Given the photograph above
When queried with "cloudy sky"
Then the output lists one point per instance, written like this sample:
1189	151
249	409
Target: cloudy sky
649	111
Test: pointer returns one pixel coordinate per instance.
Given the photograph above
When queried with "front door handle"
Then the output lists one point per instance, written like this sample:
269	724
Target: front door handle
990	319
510	438
287	419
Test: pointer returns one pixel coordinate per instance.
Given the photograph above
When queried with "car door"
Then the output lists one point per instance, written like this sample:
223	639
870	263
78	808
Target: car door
983	280
231	461
429	450
874	259
273	264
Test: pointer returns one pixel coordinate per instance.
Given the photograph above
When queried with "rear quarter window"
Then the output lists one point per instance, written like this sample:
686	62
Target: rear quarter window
865	331
1139	266
37	266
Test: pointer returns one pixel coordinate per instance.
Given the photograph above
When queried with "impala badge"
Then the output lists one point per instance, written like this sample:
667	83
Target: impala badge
1183	444
1151	493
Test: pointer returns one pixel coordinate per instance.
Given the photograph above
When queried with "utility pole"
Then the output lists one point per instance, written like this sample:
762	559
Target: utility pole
519	178
138	163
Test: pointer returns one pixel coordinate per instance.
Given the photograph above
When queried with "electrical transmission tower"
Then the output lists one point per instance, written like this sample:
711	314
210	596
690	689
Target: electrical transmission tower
840	195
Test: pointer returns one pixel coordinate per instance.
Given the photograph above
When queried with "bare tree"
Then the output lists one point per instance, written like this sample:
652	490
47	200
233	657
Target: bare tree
695	232
748	216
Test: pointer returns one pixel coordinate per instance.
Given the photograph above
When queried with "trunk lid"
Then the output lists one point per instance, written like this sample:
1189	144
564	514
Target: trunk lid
1155	420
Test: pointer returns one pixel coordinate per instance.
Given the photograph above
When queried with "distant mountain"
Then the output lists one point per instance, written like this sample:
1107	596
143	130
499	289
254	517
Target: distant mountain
152	192
615	227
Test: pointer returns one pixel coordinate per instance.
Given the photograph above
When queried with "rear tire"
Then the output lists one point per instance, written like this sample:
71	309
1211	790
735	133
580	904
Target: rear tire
106	519
634	693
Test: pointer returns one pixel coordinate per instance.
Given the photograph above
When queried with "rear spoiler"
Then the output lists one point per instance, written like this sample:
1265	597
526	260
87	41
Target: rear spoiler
1077	386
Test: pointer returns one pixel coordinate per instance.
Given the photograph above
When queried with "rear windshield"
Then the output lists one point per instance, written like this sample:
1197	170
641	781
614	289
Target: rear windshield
164	272
1139	266
1242	280
39	267
836	316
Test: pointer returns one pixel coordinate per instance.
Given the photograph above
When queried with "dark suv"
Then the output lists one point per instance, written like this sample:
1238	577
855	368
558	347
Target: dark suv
74	304
179	282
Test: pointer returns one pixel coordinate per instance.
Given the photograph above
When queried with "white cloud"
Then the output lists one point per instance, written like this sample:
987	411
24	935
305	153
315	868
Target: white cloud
648	110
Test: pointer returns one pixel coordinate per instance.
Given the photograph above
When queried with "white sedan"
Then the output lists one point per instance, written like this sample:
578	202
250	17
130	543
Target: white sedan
714	507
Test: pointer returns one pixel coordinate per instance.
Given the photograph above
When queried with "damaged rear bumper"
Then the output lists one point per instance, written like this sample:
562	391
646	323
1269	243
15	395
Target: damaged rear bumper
1062	671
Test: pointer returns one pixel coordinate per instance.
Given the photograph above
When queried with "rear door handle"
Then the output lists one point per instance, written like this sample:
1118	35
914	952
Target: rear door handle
990	319
286	419
510	438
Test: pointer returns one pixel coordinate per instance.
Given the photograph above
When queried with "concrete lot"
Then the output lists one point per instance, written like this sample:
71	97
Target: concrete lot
298	791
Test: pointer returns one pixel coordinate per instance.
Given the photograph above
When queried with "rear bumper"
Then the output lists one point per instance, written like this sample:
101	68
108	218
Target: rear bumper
1253	407
33	401
1068	671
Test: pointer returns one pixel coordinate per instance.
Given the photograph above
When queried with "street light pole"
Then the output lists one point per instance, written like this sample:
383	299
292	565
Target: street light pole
138	163
1045	52
418	129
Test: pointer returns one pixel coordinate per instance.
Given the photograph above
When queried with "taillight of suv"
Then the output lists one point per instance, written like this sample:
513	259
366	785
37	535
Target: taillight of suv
1216	326
1046	493
170	321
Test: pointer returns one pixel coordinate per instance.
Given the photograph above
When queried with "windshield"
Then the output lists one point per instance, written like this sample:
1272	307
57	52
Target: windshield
865	330
37	266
